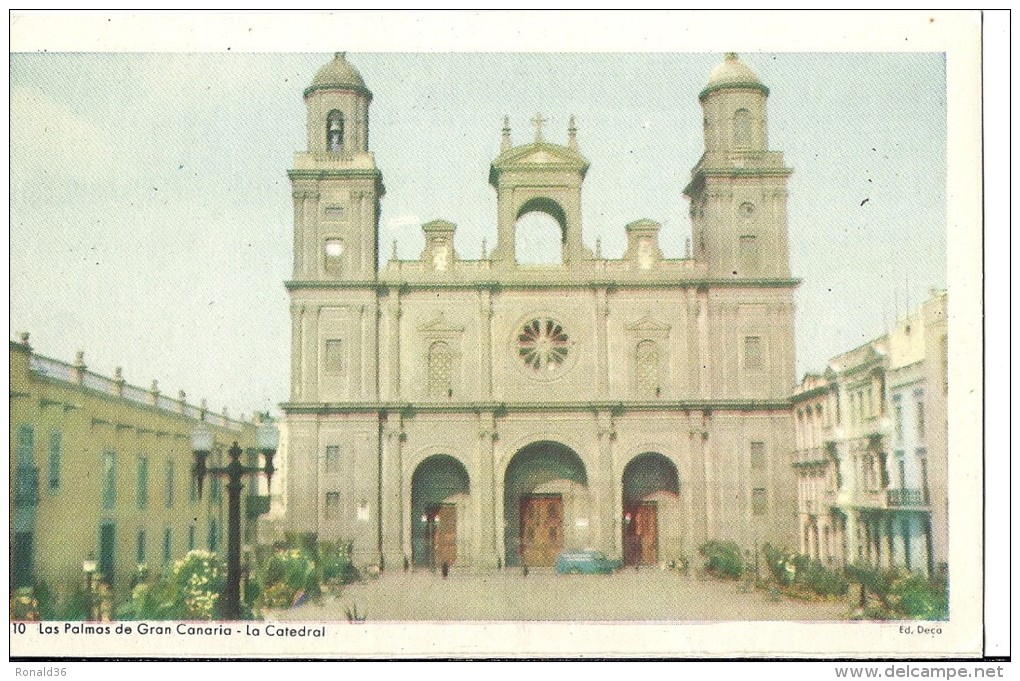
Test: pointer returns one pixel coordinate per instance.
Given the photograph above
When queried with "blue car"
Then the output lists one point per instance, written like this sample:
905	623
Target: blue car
586	562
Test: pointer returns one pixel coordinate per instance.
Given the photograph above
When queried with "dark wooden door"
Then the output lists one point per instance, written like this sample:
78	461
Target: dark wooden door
444	535
641	534
541	529
107	552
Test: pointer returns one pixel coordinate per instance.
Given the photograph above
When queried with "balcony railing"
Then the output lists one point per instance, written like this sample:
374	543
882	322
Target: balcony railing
26	486
809	455
907	497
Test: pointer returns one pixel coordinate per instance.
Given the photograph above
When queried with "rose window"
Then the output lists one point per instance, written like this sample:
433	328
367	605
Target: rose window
543	344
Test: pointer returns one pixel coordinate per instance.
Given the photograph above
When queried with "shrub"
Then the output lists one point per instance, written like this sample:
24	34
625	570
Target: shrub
917	597
75	608
198	580
335	561
872	579
723	559
154	601
824	582
286	575
24	606
780	563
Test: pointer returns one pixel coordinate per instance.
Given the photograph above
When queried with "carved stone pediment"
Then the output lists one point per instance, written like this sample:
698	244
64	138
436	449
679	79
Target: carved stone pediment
650	326
439	326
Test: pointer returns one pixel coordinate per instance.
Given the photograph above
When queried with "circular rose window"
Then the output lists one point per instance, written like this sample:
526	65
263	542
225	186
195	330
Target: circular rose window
543	344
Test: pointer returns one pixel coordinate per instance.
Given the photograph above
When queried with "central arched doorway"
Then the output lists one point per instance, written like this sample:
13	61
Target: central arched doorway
546	504
651	510
440	492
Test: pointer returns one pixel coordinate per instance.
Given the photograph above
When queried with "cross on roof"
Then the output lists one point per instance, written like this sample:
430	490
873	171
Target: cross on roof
538	121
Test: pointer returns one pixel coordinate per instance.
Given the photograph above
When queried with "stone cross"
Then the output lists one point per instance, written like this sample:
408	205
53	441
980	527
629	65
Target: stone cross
538	121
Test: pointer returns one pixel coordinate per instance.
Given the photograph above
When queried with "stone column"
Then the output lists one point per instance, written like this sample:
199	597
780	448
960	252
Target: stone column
601	342
701	526
485	344
392	502
703	355
608	492
299	233
313	264
393	331
483	496
310	368
296	351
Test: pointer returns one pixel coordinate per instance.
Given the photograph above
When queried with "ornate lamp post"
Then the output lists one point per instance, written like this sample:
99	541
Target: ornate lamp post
88	566
266	440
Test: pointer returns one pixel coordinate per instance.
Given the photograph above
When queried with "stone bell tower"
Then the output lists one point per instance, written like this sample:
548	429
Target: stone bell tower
336	184
539	177
738	188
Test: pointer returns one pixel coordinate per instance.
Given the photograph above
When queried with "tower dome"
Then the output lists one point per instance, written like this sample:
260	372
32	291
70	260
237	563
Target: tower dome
732	73
338	74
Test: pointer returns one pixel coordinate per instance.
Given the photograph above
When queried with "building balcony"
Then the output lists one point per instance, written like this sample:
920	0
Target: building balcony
901	497
258	504
26	486
809	456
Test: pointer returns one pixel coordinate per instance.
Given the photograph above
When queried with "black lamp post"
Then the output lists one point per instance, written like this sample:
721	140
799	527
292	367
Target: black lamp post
266	439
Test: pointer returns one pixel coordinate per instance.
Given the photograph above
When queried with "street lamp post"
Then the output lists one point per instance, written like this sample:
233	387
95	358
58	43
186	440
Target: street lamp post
88	566
266	439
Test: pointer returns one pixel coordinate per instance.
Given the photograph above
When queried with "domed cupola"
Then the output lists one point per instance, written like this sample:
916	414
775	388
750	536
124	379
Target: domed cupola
337	102
338	75
733	102
732	74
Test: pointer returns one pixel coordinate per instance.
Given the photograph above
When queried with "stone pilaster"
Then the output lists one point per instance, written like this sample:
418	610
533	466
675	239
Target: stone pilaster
391	511
483	496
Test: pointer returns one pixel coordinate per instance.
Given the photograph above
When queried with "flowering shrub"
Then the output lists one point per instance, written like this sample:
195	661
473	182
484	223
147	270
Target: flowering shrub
199	579
24	606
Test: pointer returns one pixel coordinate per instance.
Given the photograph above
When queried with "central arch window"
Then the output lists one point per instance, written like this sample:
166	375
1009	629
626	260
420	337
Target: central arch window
543	344
540	232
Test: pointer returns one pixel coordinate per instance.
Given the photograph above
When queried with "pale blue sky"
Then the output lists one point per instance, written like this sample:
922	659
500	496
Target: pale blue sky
151	212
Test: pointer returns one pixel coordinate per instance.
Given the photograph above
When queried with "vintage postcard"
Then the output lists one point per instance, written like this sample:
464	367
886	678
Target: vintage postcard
567	335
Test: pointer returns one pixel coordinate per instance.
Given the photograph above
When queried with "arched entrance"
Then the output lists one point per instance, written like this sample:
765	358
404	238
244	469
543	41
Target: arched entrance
651	510
546	504
440	492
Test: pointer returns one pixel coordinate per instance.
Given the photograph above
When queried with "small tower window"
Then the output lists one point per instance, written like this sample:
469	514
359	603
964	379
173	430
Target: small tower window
335	131
742	128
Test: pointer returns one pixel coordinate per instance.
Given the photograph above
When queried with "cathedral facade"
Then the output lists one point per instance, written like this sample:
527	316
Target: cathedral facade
484	413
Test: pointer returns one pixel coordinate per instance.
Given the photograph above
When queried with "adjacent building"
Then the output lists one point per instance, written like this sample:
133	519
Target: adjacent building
484	412
871	456
101	471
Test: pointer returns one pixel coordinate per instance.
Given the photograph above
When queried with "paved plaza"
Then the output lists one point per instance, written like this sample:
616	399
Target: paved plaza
629	595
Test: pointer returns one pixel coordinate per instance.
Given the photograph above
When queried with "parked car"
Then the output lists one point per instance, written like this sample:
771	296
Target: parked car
587	561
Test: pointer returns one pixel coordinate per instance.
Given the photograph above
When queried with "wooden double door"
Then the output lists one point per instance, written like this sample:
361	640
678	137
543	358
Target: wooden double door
641	533
442	531
541	523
